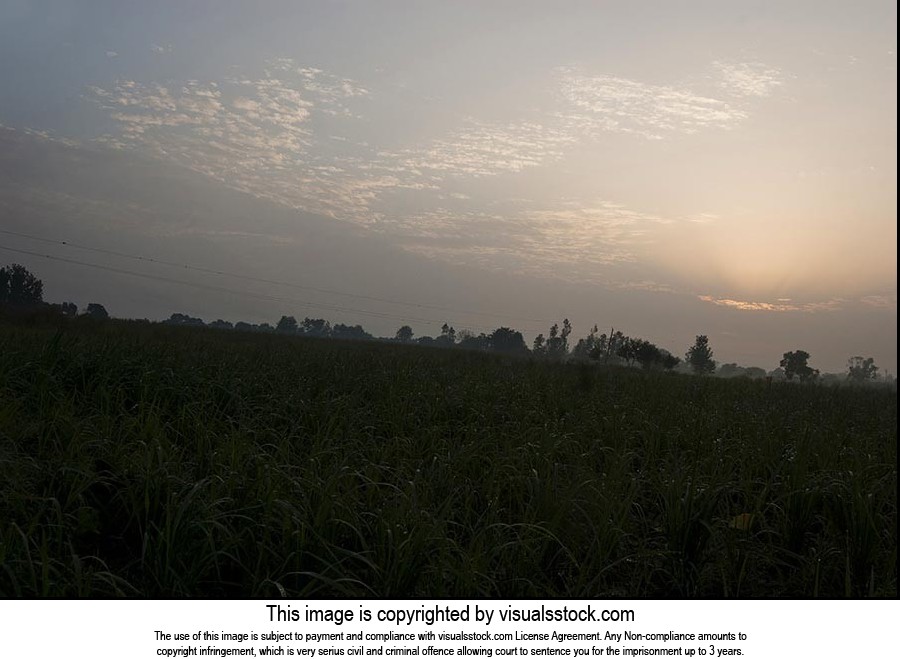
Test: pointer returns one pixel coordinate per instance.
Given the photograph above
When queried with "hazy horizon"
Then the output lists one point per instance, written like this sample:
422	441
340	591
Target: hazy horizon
717	169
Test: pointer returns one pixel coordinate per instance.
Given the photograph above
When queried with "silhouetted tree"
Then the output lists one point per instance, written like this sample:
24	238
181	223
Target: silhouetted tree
615	341
731	370
19	287
669	361
627	351
221	324
585	347
557	345
95	310
599	350
504	339
448	335
287	325
341	331
606	348
69	309
647	354
242	326
316	327
539	346
699	356
552	340
468	340
564	335
796	363
404	334
184	319
861	370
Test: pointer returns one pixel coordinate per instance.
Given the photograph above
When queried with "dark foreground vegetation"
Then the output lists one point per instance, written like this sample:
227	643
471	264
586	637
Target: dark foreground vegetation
148	460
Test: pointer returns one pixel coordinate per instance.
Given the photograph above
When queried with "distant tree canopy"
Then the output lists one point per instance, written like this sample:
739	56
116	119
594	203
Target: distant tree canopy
646	354
669	361
732	370
287	325
341	331
699	356
618	348
96	310
606	349
504	339
556	345
861	370
468	340
447	337
315	327
583	349
184	319
558	341
19	287
795	363
729	371
627	351
404	334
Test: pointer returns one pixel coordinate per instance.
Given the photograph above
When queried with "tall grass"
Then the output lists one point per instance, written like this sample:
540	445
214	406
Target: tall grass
143	460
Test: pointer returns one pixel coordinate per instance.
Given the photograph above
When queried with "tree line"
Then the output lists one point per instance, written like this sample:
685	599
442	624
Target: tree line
20	289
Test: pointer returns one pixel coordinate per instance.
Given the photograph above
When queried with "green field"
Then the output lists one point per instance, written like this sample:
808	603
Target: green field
144	460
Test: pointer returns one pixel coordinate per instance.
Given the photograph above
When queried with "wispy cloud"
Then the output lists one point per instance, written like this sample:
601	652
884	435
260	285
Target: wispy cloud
748	78
569	240
111	53
778	306
485	149
880	301
254	133
161	50
605	103
276	134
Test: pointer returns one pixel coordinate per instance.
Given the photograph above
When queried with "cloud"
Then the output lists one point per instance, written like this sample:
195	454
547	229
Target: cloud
111	53
780	306
276	134
748	78
607	103
160	50
254	133
647	285
594	104
569	240
259	133
483	149
703	218
880	301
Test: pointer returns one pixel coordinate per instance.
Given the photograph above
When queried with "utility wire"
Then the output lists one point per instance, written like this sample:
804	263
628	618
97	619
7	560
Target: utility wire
262	280
222	289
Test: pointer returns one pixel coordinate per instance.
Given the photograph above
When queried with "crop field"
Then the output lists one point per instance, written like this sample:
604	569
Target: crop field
141	460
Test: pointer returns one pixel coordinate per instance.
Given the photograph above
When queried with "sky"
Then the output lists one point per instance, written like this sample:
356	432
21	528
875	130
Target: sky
668	169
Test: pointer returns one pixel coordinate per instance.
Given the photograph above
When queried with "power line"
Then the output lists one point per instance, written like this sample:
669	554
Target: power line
222	289
262	280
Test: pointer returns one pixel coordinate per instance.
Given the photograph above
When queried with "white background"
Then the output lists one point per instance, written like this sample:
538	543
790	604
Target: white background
110	628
